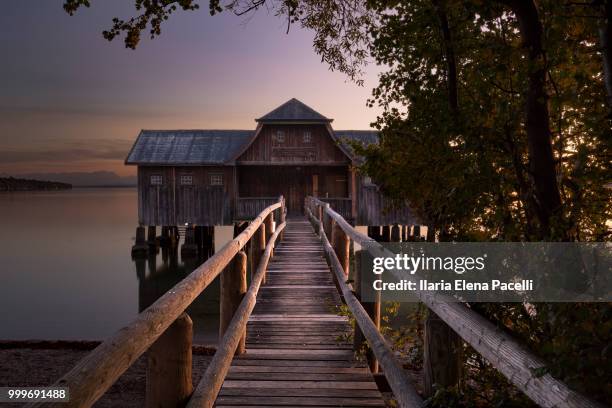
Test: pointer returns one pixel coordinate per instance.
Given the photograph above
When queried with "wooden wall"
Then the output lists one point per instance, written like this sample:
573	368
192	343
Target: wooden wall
266	149
375	209
294	183
172	203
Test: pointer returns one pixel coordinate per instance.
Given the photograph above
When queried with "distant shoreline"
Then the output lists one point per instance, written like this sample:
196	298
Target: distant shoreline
11	184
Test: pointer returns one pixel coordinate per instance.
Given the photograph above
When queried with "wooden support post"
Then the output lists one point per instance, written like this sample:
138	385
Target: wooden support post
164	239
233	288
151	238
386	233
396	233
442	355
341	245
174	236
283	216
373	310
189	248
417	233
140	247
269	222
169	366
258	246
327	221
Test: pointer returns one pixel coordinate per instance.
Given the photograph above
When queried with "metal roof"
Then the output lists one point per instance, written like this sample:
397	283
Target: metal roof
190	147
211	147
294	111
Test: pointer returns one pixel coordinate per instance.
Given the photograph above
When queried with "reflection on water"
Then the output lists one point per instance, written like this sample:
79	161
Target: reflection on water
160	270
66	271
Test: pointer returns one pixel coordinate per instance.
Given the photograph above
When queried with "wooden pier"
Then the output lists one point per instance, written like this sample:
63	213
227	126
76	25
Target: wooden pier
299	349
283	342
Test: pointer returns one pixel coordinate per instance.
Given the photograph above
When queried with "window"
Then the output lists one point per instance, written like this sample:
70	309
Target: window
280	136
307	138
216	179
157	180
186	179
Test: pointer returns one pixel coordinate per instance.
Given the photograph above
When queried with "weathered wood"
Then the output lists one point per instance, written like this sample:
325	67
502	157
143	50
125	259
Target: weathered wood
341	245
140	245
396	234
249	207
442	356
233	288
151	235
269	224
95	373
283	214
403	389
190	247
210	384
169	366
505	353
258	245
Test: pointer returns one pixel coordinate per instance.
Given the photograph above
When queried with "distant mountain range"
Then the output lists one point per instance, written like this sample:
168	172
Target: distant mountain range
82	179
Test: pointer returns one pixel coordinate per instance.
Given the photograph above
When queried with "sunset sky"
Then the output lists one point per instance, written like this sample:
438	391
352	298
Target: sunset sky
70	101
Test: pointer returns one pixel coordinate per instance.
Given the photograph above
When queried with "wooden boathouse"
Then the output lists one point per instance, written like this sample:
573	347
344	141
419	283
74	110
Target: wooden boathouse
219	177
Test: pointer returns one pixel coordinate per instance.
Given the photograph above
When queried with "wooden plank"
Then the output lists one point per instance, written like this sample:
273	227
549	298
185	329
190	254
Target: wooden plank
302	370
345	385
300	401
297	392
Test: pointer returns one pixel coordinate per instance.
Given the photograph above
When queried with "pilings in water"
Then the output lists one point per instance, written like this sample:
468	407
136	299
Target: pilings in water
199	242
140	247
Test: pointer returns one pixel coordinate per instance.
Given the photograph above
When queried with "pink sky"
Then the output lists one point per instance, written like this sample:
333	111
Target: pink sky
72	101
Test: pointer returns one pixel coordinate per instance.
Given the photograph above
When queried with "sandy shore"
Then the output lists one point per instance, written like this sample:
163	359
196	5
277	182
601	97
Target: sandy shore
42	363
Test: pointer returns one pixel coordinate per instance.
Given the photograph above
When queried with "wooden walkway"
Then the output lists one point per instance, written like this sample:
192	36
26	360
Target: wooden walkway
298	348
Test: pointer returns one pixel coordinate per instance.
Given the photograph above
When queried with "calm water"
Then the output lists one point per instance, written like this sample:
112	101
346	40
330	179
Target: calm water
66	271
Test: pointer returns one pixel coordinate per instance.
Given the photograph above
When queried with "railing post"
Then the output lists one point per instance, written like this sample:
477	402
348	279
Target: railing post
441	355
233	288
169	366
258	246
327	220
283	215
341	245
269	222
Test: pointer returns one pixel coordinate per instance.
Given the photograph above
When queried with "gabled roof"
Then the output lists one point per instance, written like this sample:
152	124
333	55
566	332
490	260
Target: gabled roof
189	147
294	111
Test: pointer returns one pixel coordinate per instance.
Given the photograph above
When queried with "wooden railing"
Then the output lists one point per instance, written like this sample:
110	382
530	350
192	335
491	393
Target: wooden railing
165	330
247	208
512	359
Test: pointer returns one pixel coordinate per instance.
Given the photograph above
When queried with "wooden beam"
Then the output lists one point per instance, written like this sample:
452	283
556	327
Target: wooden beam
169	366
233	288
442	355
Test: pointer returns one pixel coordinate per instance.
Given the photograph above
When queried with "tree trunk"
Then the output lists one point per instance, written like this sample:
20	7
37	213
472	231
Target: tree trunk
605	42
449	55
541	158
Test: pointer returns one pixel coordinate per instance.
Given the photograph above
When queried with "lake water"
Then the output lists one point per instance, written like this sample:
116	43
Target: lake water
66	270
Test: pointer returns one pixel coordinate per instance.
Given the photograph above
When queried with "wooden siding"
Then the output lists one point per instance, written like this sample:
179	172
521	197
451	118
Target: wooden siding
375	209
248	208
266	149
294	183
173	203
342	206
